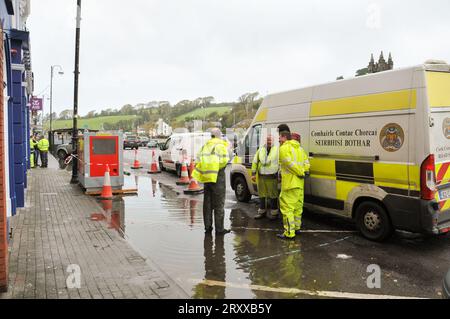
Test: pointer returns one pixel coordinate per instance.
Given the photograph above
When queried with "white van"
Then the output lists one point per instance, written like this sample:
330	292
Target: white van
379	148
180	146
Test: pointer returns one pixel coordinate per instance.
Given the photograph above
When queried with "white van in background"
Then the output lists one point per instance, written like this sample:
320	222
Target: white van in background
180	146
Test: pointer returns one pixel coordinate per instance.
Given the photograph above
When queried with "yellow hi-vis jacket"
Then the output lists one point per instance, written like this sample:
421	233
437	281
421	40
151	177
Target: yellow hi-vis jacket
265	164
212	157
43	145
33	144
294	163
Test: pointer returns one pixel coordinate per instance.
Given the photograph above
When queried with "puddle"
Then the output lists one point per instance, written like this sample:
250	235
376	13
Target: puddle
166	226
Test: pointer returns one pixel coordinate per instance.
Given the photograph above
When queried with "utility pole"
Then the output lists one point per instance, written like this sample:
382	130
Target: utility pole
74	179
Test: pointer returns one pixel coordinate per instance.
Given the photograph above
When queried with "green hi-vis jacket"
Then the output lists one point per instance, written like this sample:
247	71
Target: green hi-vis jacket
265	164
294	163
212	157
43	145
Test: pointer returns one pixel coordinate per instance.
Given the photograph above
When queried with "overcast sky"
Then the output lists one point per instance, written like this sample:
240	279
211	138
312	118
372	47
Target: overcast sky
143	50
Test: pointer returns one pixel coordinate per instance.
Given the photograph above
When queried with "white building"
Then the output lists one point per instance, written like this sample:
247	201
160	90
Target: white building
163	129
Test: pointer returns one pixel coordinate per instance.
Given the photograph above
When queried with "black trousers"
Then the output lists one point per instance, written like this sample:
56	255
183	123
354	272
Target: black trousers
214	202
44	159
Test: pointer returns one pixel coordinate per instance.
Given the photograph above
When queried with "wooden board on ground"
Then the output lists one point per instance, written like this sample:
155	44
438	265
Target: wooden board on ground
114	191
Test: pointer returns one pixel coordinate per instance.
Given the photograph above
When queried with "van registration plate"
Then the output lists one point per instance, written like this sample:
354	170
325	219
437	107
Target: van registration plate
444	194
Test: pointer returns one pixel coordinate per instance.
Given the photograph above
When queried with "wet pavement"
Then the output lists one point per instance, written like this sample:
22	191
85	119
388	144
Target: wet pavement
329	259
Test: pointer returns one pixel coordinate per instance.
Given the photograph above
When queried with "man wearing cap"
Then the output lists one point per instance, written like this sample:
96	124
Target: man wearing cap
265	174
292	181
210	170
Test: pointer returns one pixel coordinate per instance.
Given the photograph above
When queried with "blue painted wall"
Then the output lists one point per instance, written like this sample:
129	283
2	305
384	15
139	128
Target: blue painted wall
18	125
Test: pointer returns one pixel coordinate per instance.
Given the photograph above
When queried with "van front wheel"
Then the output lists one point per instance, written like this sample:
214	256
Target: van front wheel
373	221
241	190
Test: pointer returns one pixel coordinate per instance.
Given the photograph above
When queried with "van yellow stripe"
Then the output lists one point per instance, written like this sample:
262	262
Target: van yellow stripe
323	168
343	188
414	177
262	115
438	84
391	175
390	101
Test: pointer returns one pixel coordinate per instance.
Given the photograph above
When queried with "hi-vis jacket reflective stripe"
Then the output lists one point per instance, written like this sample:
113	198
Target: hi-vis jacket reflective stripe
212	157
294	164
265	164
43	145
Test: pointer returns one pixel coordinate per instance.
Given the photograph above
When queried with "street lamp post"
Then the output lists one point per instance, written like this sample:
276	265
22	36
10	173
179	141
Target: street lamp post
61	72
74	179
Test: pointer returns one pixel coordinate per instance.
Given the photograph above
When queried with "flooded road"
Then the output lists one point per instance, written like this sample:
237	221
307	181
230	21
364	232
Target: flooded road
328	260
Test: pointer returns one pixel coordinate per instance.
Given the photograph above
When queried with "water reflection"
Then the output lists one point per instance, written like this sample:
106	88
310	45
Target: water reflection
113	214
215	268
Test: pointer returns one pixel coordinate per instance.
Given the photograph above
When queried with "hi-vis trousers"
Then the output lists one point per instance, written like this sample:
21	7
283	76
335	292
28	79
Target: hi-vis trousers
291	206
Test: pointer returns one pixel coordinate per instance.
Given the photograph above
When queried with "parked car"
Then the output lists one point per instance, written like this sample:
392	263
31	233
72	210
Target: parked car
152	144
143	140
131	142
446	288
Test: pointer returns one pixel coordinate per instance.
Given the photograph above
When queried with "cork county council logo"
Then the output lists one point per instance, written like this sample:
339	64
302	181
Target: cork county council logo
446	127
392	137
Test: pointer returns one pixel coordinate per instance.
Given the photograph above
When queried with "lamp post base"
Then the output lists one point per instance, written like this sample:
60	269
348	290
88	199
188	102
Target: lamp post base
74	180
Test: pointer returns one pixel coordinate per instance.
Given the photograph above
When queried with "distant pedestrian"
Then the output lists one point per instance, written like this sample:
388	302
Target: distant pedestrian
210	170
36	150
43	146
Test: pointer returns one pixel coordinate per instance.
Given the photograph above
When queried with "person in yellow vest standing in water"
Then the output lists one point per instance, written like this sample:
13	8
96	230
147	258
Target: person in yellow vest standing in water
265	174
43	146
210	170
292	169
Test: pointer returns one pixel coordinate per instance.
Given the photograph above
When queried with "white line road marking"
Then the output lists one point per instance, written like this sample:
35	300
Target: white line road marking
306	231
334	242
319	293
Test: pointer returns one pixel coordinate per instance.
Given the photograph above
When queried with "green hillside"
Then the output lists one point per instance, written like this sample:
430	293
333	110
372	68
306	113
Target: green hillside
200	113
92	123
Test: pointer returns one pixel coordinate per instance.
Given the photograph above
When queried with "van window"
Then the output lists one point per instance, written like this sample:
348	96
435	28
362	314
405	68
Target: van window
255	138
166	145
252	142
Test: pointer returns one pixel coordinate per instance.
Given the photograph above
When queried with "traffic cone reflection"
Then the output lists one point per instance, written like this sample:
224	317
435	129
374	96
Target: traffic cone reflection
154	187
107	189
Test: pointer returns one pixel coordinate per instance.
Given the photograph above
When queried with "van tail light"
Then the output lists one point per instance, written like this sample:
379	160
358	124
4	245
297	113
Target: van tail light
428	178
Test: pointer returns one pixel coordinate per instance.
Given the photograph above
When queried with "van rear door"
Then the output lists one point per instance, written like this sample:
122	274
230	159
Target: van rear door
438	85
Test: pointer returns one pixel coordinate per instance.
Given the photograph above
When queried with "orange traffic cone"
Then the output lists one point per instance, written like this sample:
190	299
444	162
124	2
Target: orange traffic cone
194	187
154	167
184	179
107	189
136	164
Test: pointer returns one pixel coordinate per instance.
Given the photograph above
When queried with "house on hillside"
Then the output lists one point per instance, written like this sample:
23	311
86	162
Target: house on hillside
162	129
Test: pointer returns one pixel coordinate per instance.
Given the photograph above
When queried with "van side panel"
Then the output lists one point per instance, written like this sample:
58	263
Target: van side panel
438	85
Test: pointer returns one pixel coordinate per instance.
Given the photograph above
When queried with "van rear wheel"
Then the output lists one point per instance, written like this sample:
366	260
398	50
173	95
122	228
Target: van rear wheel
373	221
241	190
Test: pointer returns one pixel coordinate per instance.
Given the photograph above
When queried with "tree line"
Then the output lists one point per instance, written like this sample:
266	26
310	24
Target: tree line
147	114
